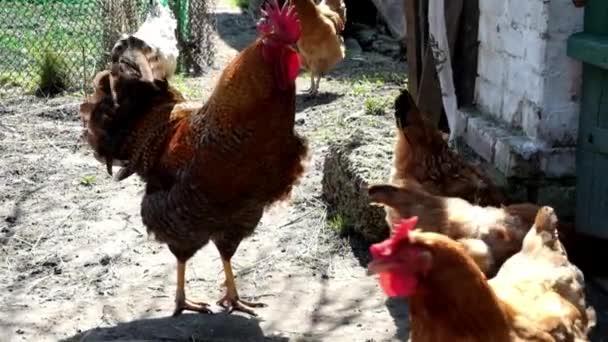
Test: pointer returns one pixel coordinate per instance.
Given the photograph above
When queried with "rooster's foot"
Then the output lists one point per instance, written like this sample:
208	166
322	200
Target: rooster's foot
237	304
185	304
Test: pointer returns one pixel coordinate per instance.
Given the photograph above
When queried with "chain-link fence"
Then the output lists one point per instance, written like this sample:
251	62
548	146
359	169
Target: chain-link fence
49	46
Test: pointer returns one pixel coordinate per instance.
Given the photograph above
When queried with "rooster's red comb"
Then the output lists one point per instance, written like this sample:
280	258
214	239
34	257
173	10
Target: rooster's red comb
280	21
401	233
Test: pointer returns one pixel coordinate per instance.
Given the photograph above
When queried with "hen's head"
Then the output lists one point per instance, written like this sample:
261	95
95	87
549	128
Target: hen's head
279	28
415	125
410	259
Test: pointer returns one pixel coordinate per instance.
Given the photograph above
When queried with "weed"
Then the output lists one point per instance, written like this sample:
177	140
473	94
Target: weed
88	180
242	4
374	106
338	224
189	87
52	74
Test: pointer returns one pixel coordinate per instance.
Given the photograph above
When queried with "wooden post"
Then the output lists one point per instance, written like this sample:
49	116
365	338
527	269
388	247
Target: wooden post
412	40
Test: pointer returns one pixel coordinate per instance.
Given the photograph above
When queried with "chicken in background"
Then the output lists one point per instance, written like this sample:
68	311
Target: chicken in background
210	171
490	235
335	6
537	295
158	33
320	45
422	154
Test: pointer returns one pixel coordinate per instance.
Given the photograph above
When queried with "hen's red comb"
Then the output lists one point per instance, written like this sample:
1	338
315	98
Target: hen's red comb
401	232
280	22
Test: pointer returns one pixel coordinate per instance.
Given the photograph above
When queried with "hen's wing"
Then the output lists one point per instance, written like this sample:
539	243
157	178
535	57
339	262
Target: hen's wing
333	17
542	286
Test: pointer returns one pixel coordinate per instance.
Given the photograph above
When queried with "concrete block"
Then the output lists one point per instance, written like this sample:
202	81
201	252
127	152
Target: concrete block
516	157
488	97
536	50
512	107
531	116
558	162
489	37
491	65
521	79
512	37
538	21
480	139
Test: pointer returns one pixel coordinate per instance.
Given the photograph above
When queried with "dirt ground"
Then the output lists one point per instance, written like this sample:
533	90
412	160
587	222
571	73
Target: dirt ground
76	263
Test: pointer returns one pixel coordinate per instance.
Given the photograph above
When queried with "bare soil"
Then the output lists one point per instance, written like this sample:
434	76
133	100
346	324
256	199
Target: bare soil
76	263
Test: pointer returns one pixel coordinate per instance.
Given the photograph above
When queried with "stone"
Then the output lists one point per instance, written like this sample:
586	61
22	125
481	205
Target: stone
480	140
349	167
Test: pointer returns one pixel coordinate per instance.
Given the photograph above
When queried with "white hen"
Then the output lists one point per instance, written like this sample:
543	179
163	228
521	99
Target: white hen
158	32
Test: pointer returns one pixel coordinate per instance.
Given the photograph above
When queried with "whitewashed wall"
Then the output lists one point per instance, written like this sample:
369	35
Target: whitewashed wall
525	77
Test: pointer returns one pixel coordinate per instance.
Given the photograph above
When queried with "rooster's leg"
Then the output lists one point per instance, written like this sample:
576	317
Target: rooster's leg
231	300
181	303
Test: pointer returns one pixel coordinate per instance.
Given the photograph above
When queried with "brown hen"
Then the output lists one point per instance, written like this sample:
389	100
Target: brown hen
320	44
422	154
490	234
538	294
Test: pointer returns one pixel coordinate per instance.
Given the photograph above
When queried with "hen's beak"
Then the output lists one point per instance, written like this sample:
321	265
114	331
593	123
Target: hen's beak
380	266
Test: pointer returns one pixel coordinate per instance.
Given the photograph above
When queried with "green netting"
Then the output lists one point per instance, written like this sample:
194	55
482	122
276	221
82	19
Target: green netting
77	35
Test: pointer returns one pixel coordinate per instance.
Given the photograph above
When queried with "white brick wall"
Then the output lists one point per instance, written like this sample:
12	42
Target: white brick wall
525	77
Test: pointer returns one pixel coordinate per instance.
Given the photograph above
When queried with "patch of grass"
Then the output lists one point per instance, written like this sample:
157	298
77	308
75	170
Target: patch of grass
52	73
338	224
374	106
88	180
189	87
242	4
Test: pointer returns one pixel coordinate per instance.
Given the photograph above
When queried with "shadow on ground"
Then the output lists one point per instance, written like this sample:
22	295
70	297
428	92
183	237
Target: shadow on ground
187	327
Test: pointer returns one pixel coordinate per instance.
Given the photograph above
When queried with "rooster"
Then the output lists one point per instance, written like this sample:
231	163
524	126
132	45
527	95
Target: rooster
320	45
211	170
538	295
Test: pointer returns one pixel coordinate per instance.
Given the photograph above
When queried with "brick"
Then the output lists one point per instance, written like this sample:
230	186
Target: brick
521	79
